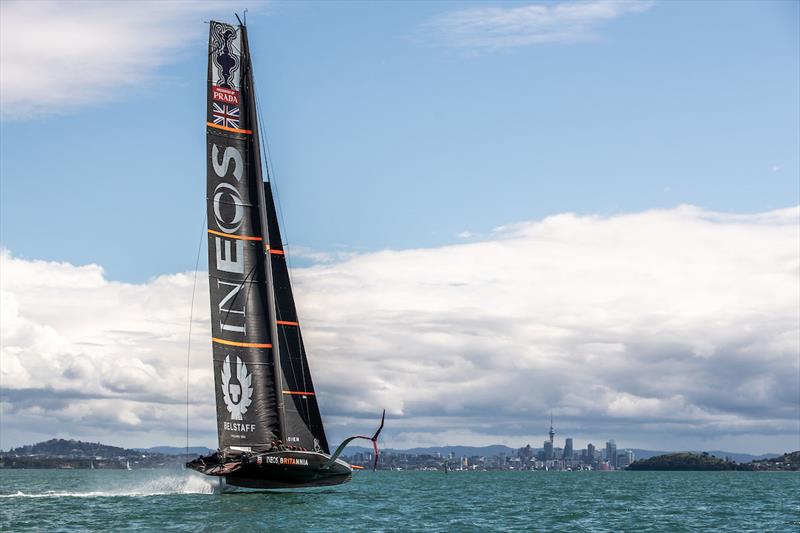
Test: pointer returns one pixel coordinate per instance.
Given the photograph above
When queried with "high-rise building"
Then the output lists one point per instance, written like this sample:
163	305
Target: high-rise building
568	450
611	453
590	452
624	458
526	454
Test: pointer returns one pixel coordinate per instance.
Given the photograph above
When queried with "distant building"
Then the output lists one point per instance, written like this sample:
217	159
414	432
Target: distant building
611	454
568	450
526	454
548	451
590	453
624	458
477	460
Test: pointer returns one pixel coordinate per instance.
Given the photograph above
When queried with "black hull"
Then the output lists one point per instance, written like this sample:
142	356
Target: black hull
279	470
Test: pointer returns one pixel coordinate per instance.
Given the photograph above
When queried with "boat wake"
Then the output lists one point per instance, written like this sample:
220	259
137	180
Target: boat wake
154	487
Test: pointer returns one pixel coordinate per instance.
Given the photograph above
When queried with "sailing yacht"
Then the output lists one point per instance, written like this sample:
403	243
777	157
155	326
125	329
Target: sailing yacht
270	430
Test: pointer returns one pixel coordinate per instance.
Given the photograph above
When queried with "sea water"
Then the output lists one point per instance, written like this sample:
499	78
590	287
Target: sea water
167	500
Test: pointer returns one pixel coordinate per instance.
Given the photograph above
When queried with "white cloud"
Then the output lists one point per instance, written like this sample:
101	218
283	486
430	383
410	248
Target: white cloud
668	328
492	28
81	353
56	56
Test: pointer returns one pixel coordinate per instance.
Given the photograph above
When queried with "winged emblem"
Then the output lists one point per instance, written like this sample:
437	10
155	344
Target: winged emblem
237	395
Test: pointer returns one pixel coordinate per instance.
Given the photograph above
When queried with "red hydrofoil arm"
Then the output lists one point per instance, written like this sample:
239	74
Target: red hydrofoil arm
348	440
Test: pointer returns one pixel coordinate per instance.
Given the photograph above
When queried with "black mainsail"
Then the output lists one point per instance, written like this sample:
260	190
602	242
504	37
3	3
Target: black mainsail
244	370
267	414
254	318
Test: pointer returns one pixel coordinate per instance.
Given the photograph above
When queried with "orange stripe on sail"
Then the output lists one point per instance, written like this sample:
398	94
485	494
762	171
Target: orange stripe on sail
226	128
274	251
231	236
241	344
298	393
286	323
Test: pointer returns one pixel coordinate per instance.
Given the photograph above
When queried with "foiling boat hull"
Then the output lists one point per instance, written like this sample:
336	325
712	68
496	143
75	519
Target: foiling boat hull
280	470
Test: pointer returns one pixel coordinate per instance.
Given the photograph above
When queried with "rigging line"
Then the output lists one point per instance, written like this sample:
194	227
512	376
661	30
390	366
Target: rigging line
268	255
289	264
191	317
266	156
271	176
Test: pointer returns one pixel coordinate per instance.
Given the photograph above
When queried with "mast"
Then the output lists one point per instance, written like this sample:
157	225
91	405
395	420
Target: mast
265	232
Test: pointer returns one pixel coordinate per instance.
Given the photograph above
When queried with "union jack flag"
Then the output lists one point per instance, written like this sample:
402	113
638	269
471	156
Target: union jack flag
226	115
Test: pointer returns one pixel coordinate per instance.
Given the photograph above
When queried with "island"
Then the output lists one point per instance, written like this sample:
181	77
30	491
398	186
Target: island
706	462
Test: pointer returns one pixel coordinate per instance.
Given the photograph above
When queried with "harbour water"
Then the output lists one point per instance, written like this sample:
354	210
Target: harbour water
163	500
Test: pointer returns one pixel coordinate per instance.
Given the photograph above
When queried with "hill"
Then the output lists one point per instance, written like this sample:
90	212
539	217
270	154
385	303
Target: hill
61	453
72	449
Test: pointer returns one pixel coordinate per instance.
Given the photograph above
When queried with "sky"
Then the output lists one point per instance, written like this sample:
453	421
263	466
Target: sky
495	211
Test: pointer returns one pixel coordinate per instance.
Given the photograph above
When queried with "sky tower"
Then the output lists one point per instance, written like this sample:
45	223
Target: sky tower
552	432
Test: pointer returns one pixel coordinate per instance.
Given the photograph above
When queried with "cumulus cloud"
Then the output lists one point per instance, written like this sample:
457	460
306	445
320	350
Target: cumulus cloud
666	328
492	28
84	355
56	56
